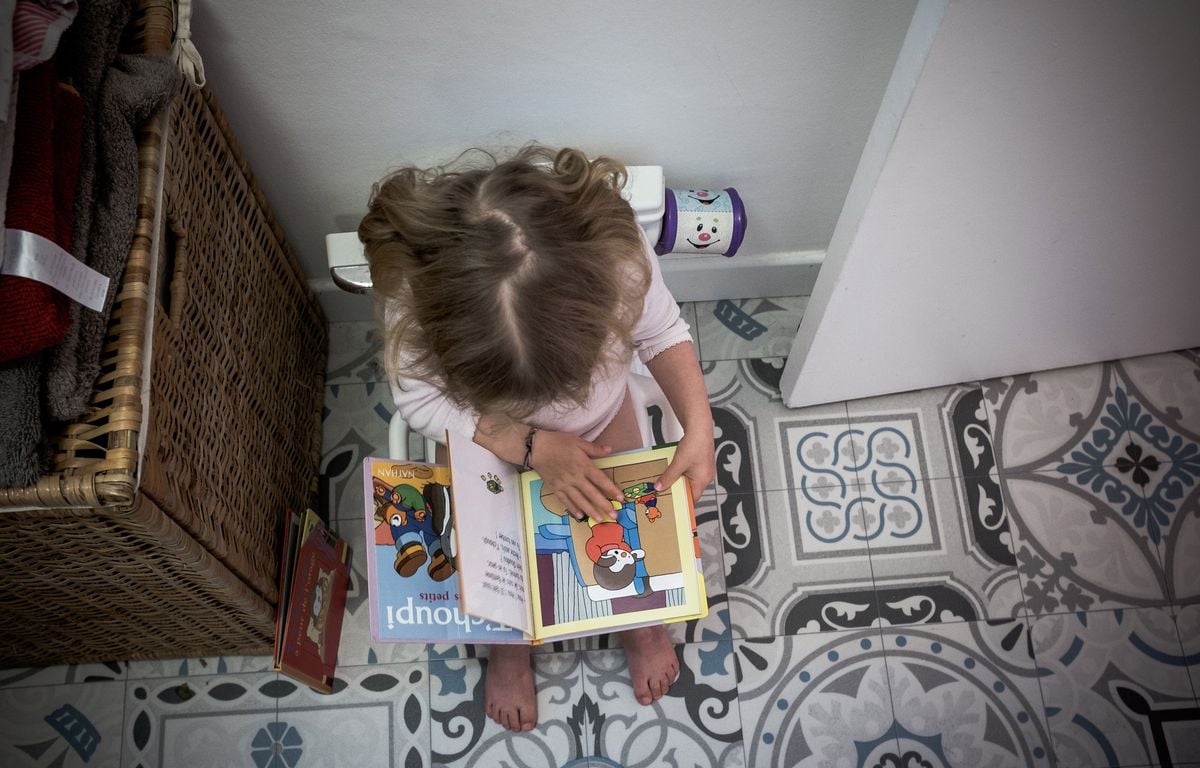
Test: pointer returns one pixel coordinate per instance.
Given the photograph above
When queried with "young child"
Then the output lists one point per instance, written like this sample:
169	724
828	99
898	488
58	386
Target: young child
512	299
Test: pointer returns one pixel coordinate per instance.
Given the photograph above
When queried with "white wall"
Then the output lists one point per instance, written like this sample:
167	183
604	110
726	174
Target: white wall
775	98
1039	205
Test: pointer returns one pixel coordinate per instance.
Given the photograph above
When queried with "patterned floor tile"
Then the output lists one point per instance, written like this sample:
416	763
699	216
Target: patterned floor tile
1079	547
817	700
463	735
197	667
966	695
697	725
354	354
743	328
1167	387
1114	688
1187	619
1172	502
803	566
761	444
354	426
941	551
210	720
714	626
376	716
63	674
62	725
932	433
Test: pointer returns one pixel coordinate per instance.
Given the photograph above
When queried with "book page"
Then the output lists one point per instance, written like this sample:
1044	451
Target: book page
639	568
491	539
412	573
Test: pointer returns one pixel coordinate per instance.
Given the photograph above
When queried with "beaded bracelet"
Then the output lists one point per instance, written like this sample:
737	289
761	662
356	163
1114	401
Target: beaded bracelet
528	449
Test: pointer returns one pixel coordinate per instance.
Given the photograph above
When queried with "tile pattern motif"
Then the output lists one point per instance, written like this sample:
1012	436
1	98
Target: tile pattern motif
989	574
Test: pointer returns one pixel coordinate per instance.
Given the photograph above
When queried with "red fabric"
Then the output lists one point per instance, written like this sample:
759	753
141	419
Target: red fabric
41	199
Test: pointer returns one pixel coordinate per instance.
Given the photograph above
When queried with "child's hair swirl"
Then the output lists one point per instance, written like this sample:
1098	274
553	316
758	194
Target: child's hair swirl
508	284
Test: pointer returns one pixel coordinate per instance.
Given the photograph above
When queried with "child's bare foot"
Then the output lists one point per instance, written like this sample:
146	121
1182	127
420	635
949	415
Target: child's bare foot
653	665
508	694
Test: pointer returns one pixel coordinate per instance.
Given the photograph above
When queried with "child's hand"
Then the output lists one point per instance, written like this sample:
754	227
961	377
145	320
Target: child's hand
565	463
695	457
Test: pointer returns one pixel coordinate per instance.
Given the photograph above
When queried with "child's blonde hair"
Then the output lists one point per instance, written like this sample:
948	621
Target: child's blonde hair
508	286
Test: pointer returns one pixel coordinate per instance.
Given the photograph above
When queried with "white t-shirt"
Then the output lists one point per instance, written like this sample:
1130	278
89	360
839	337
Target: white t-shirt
427	410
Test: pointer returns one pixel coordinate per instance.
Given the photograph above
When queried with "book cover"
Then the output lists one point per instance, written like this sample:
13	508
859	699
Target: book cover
311	614
412	571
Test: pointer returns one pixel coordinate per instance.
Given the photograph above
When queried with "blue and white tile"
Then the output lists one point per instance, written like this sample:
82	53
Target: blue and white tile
62	725
806	569
966	695
1176	505
733	329
1079	548
376	715
817	700
1167	389
354	354
1074	420
941	551
761	444
463	735
931	433
1114	687
210	720
63	674
696	725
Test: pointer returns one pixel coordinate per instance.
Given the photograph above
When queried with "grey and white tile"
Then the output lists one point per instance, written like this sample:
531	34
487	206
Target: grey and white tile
209	720
1167	389
817	700
941	550
463	735
354	354
376	715
62	725
63	674
354	426
761	444
199	667
1114	688
1079	547
966	695
696	725
931	433
1171	510
732	329
797	561
1187	620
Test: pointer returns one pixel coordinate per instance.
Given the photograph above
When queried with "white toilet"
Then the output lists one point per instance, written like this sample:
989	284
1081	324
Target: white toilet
644	191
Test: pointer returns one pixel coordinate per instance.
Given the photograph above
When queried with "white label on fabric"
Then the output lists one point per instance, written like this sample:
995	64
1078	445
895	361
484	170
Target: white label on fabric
36	258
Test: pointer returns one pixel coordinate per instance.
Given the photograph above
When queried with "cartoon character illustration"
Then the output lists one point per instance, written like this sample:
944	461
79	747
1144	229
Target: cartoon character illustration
419	538
644	494
320	610
703	196
615	561
492	482
705	238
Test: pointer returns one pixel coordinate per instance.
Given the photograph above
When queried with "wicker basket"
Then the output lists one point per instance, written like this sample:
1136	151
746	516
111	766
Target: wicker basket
98	564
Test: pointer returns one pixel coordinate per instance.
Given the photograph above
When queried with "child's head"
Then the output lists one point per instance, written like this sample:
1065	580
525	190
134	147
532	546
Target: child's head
509	285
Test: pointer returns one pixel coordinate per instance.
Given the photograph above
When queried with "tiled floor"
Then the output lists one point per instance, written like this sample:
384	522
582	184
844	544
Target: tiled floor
1000	573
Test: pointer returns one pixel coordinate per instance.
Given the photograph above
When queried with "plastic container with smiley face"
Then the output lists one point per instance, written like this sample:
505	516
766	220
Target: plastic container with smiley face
702	221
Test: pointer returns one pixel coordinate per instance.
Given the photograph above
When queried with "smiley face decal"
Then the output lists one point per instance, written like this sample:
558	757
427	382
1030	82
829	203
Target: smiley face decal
703	196
706	233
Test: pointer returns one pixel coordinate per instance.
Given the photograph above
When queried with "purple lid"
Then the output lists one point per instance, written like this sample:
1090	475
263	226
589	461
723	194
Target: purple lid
739	221
666	238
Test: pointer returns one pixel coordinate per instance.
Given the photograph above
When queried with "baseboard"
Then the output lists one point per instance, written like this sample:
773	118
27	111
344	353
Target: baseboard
690	278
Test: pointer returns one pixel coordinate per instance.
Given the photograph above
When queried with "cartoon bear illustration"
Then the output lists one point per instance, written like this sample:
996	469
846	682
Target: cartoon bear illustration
407	513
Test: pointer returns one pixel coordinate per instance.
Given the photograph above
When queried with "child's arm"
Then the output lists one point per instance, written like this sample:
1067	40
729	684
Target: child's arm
677	371
563	460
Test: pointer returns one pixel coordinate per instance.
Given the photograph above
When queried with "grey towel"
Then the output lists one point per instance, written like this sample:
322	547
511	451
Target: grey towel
137	87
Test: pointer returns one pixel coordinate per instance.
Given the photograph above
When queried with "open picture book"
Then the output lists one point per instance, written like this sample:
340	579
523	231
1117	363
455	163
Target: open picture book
477	552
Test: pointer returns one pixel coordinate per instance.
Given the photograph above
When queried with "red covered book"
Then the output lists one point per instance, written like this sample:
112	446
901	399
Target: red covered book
313	579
